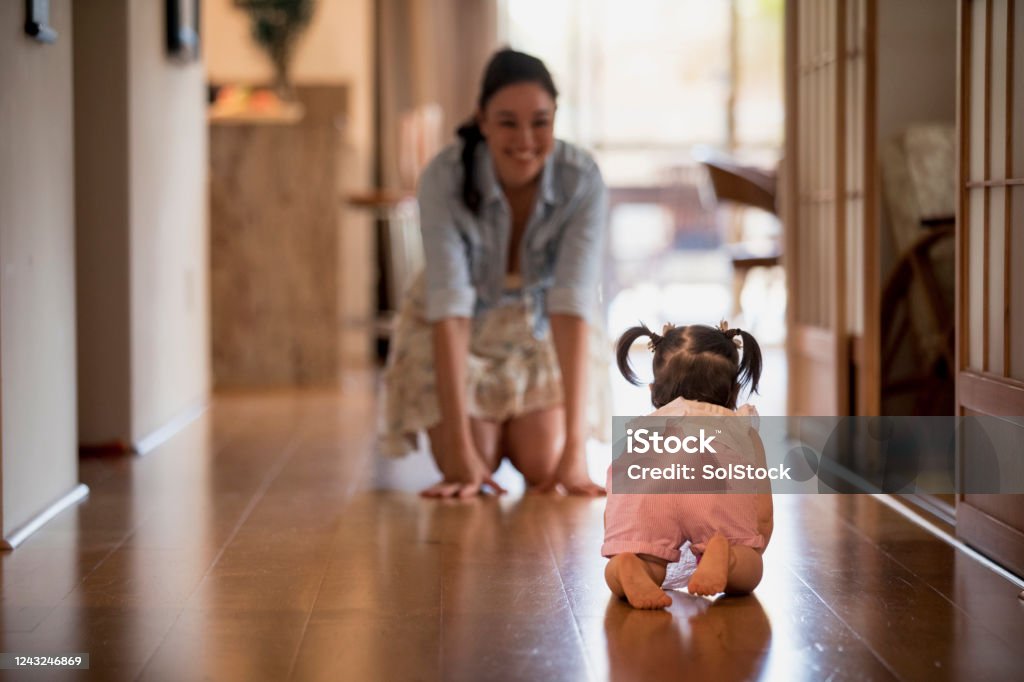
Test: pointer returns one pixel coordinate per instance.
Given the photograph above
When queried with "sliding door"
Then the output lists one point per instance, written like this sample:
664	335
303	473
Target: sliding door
990	253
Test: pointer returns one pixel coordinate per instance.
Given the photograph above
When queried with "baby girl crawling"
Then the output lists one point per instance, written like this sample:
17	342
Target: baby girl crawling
698	372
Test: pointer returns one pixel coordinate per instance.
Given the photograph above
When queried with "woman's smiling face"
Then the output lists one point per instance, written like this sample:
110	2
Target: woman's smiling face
518	122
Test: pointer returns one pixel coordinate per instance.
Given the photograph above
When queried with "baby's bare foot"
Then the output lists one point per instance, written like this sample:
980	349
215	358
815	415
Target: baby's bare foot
713	570
637	584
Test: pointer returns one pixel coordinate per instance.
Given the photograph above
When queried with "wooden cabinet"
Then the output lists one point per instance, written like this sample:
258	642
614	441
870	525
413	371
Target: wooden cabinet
275	252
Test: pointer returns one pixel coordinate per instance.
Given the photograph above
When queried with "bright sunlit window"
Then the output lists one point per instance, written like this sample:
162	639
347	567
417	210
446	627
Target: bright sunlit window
658	76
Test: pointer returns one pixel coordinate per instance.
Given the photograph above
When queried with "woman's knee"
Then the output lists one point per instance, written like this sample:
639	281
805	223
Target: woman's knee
486	439
535	442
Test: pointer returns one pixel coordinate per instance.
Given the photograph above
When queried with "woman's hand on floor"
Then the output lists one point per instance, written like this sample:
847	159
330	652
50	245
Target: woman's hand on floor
467	479
462	490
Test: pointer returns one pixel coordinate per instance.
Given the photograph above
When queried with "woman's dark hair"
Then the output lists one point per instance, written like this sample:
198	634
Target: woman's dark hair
695	362
506	67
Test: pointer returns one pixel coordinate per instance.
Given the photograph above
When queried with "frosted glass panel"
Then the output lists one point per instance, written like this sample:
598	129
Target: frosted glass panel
801	32
976	69
854	123
997	106
974	334
800	299
994	272
855	265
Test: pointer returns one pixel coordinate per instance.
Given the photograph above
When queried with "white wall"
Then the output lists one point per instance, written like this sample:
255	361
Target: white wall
101	223
916	74
170	335
916	63
142	225
39	451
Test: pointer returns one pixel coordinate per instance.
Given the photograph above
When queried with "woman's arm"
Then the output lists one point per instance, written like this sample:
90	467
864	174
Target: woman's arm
451	347
570	336
571	302
581	251
456	455
449	306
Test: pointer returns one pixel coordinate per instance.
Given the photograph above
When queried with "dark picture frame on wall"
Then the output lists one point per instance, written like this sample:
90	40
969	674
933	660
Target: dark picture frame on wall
183	29
37	21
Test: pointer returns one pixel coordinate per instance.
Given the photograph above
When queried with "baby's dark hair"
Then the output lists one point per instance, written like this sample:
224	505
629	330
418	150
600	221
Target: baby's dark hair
695	362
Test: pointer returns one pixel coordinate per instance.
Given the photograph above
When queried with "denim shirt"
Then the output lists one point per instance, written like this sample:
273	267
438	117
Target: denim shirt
561	251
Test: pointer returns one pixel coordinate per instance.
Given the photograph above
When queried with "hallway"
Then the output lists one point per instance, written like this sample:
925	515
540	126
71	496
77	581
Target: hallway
261	543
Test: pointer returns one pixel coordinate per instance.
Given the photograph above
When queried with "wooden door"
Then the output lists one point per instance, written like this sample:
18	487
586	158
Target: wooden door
990	251
828	202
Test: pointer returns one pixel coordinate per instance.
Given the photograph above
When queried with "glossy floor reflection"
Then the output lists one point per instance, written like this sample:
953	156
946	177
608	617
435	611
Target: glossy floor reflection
264	542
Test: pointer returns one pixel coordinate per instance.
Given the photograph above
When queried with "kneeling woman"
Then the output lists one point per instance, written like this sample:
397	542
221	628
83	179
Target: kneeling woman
494	343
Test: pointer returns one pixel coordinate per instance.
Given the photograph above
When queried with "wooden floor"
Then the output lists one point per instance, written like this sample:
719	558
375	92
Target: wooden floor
263	543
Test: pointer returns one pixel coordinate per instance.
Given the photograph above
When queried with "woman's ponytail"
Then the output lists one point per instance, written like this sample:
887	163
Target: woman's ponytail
471	137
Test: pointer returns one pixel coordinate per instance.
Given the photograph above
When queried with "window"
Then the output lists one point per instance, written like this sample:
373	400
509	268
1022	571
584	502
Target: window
644	80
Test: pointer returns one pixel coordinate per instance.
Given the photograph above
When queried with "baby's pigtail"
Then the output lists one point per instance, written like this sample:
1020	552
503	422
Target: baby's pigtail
751	362
625	343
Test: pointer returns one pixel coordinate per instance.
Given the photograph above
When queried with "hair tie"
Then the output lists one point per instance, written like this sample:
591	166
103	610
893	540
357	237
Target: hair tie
734	334
656	339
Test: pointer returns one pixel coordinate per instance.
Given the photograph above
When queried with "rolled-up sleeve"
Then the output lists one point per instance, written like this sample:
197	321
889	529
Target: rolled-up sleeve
581	251
449	288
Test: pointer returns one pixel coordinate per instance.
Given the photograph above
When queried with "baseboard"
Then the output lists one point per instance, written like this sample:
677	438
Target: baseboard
991	536
915	517
150	442
20	534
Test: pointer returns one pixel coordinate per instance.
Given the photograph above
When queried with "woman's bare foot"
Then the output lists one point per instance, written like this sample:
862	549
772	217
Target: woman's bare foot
712	572
627	576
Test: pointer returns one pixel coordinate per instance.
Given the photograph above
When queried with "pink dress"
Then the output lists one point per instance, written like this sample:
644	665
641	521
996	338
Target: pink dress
661	524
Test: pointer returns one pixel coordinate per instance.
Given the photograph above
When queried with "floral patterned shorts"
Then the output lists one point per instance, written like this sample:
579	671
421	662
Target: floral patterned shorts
509	371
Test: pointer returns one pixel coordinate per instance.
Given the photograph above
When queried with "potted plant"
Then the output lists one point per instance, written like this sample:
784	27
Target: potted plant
276	27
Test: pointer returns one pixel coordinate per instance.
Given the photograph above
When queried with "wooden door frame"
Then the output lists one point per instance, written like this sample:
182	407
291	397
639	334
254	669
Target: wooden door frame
803	340
869	378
